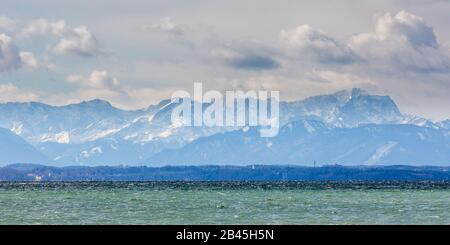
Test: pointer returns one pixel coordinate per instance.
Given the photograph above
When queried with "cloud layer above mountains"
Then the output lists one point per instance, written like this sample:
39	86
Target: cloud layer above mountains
137	54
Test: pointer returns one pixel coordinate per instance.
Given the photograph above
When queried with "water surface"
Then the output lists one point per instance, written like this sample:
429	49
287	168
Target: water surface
225	203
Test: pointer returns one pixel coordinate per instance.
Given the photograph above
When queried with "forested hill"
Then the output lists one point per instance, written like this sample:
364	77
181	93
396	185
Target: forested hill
31	172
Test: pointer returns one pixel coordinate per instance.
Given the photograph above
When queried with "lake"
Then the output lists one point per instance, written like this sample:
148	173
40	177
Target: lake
224	202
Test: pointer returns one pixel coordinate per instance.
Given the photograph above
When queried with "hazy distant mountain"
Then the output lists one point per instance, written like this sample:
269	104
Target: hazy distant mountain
96	133
305	142
13	149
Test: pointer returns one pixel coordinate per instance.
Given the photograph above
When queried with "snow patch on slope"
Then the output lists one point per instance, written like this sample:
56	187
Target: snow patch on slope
62	138
17	129
381	152
93	151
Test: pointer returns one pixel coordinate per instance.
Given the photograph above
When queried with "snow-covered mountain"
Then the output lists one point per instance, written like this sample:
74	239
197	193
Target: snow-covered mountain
86	121
444	124
96	133
306	141
347	108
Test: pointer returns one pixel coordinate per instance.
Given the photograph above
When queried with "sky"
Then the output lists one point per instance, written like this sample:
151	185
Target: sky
134	53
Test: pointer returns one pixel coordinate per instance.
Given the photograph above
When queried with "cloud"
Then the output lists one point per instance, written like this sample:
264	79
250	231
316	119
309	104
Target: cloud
247	56
337	80
99	84
45	27
6	24
81	42
10	92
9	54
28	59
77	41
11	58
306	43
98	79
167	25
406	27
317	82
171	32
399	42
402	41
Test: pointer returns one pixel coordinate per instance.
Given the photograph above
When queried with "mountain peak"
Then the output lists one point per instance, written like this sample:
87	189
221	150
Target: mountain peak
348	94
96	103
348	108
356	92
445	124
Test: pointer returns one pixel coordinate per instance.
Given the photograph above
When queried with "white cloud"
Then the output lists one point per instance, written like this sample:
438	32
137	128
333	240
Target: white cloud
11	58
28	59
74	78
6	24
337	80
81	42
170	32
169	26
78	41
402	41
98	79
10	92
399	42
99	84
405	27
9	54
44	27
308	43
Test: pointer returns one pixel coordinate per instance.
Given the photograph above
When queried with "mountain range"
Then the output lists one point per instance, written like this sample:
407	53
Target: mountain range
350	127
